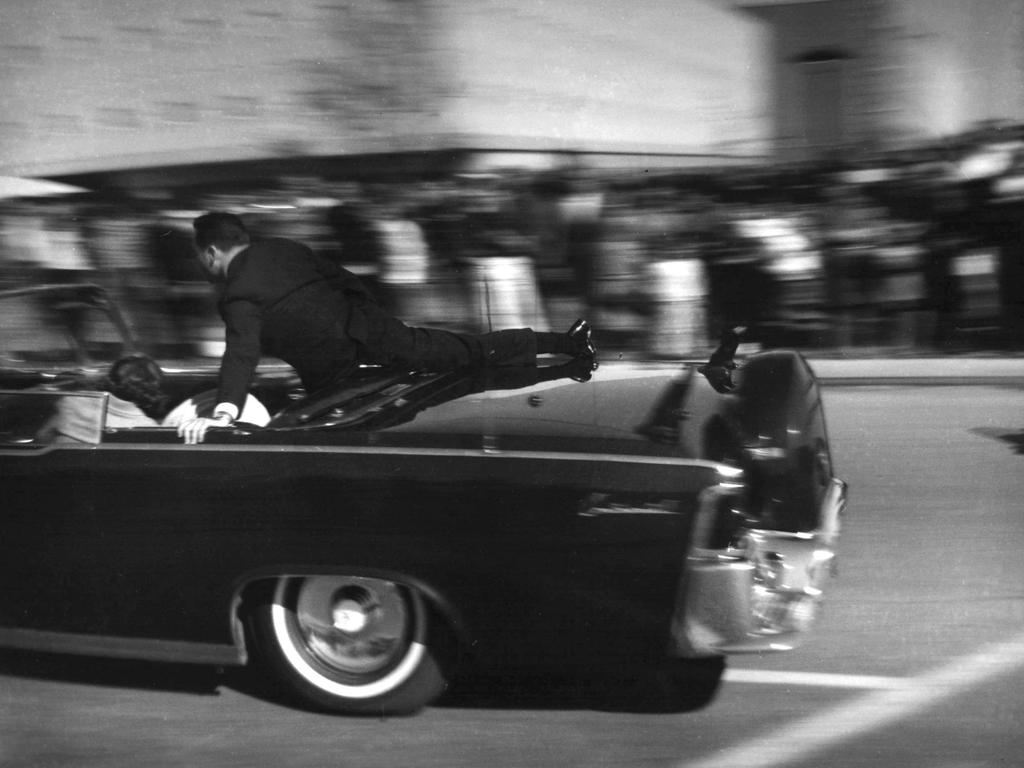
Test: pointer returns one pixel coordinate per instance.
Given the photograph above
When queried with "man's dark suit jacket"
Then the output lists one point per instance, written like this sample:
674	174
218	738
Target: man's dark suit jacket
281	299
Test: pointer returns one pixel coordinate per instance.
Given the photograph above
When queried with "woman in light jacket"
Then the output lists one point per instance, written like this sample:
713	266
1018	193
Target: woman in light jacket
136	399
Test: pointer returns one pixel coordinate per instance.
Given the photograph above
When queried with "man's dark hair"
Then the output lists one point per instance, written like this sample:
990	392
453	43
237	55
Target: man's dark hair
224	230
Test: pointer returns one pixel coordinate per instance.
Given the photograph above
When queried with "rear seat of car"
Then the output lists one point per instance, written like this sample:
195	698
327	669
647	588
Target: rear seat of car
254	412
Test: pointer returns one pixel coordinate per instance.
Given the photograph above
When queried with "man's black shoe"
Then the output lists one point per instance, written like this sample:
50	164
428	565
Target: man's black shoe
581	339
718	369
581	368
724	355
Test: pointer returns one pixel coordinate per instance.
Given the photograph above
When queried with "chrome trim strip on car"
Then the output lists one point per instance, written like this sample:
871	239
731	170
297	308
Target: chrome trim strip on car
621	509
121	647
480	452
31	448
763	594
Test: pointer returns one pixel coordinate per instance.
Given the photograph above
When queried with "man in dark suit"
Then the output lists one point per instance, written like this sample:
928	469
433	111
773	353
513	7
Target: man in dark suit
279	298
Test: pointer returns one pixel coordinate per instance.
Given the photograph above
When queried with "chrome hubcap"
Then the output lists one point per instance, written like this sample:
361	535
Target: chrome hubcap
351	624
353	609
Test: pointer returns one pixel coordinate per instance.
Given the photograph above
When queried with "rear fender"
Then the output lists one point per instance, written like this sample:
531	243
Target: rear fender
780	424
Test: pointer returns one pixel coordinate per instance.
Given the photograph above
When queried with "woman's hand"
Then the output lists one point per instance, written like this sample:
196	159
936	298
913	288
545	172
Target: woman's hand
193	431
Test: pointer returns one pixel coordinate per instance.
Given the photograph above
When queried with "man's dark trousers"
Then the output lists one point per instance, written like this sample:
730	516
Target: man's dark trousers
391	342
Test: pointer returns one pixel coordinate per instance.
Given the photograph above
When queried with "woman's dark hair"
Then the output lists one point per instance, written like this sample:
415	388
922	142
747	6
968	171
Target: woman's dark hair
138	379
224	230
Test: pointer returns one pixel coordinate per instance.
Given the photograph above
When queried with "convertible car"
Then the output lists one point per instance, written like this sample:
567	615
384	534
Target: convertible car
371	542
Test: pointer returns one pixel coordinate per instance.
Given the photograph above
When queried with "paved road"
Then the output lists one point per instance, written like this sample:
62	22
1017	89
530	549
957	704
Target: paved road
918	661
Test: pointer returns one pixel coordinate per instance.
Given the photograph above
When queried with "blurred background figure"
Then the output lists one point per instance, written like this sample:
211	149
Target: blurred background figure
662	263
406	273
116	239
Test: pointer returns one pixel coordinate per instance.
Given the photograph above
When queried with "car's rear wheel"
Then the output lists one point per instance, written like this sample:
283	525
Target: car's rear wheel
348	643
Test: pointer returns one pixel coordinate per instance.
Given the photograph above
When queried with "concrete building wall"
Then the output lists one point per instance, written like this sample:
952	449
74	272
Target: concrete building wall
685	76
962	61
895	71
88	83
831	65
93	84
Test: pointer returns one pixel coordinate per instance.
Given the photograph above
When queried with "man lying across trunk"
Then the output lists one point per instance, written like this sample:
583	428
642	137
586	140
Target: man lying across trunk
280	298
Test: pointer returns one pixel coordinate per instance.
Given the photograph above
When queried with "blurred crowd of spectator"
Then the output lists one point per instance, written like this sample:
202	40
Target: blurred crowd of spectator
917	250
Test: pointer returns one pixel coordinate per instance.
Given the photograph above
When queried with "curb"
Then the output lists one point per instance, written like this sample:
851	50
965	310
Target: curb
919	371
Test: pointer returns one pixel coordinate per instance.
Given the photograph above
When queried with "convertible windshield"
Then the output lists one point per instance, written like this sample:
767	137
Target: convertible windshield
59	326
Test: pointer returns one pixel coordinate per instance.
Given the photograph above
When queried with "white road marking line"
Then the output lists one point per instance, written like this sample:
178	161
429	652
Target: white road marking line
806	737
813	679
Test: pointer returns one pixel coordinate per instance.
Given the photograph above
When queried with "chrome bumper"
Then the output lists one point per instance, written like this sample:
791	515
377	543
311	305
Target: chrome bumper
762	594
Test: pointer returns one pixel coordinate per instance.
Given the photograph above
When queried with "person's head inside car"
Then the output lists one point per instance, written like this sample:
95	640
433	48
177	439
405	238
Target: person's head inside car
138	380
137	399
